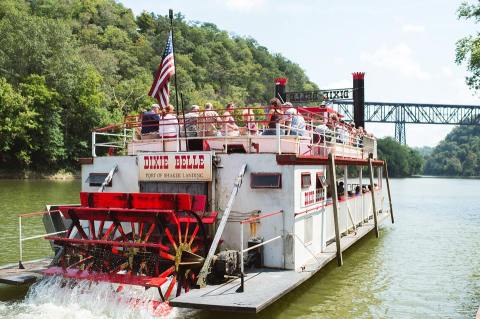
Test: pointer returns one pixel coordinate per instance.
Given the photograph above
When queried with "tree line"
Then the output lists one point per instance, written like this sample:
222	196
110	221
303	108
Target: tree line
67	67
457	155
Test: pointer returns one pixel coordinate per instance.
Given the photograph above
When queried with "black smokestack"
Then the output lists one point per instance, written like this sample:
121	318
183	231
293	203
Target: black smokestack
280	93
359	99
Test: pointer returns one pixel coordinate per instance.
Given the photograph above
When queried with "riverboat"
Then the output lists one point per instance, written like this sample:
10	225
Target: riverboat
229	223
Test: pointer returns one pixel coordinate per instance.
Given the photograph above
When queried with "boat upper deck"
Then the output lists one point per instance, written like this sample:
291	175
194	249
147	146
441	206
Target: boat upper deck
305	131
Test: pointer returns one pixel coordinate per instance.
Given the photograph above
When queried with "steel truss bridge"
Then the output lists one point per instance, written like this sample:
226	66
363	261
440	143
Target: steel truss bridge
413	113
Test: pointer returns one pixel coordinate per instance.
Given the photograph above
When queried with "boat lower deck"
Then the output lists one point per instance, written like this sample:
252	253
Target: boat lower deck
264	286
12	275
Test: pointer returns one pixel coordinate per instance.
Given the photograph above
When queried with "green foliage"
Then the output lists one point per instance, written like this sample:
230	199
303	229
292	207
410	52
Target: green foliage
16	119
457	155
402	160
67	67
468	48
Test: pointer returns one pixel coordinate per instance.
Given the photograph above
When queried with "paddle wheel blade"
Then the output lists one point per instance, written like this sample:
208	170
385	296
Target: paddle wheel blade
124	279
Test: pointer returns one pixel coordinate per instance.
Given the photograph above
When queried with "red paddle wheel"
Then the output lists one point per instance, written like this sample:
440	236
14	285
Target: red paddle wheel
146	239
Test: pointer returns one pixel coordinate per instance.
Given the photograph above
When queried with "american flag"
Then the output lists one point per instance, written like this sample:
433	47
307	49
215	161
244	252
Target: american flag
159	89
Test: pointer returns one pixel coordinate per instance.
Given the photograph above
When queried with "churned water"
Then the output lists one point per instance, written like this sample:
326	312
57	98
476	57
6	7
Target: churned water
54	298
427	265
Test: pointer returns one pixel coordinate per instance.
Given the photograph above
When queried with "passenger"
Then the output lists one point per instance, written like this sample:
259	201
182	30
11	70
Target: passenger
340	189
251	127
274	116
357	189
209	120
342	136
150	120
360	135
296	122
168	125
191	121
322	132
229	127
192	129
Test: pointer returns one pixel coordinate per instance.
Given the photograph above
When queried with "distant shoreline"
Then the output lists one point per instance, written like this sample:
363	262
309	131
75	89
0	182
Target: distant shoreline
28	174
440	176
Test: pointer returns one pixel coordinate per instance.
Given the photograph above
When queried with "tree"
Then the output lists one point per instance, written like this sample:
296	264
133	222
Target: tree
46	135
468	48
16	119
457	154
68	67
403	161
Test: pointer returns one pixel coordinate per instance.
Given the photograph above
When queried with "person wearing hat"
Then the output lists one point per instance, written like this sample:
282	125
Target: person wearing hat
150	120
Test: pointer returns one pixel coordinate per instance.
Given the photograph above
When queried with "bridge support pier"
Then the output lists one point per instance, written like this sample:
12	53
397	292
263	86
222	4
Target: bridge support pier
400	134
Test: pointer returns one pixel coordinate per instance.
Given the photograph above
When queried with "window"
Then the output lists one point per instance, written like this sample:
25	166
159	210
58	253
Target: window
308	231
306	180
266	180
320	181
96	179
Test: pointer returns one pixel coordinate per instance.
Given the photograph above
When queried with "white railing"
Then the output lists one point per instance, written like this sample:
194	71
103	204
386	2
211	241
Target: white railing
285	140
120	140
22	239
251	220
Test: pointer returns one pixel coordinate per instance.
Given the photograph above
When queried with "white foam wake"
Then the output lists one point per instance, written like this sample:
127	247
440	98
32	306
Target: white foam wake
55	298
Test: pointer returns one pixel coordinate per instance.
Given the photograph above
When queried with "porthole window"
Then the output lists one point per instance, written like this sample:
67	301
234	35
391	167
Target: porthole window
266	180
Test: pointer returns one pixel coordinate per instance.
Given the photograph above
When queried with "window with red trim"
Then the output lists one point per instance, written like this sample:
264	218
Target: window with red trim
320	181
306	180
265	180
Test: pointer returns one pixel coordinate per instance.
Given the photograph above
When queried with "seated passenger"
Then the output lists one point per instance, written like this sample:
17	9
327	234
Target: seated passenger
296	122
209	120
322	132
251	127
192	129
191	121
340	189
229	127
357	190
274	116
168	124
150	120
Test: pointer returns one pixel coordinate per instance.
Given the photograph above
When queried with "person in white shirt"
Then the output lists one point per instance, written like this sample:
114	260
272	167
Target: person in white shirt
322	130
209	120
168	124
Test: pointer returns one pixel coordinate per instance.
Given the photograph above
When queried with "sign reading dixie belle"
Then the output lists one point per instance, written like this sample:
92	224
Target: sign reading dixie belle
175	167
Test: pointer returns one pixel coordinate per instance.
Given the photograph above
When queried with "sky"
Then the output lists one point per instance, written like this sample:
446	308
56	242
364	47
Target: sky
406	48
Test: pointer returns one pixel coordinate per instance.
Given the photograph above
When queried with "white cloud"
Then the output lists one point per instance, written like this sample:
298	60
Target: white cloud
413	28
245	5
398	58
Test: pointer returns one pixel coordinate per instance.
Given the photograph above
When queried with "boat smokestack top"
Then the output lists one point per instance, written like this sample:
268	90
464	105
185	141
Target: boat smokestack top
280	92
359	99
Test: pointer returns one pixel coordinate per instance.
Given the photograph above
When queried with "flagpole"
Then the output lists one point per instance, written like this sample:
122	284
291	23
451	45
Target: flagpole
170	15
184	121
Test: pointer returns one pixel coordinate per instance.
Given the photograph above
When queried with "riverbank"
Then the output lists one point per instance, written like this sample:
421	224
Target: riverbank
29	174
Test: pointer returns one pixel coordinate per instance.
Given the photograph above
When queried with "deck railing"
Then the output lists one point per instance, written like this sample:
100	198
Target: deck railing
315	139
250	221
22	239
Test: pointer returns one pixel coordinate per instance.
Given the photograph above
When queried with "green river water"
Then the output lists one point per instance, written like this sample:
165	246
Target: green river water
424	266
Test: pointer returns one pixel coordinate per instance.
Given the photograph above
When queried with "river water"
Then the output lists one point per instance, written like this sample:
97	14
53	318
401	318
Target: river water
426	265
